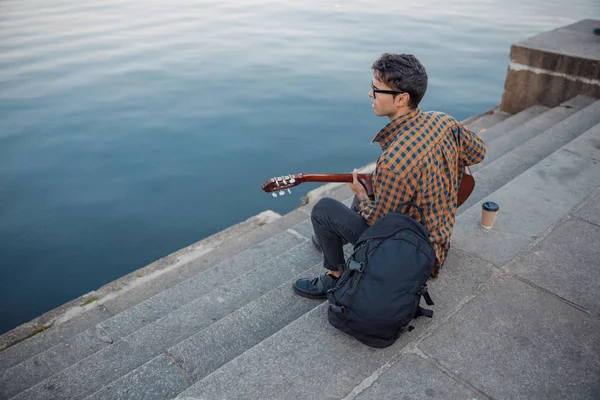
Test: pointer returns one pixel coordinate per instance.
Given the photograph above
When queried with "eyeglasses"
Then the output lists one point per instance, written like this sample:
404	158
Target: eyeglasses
375	90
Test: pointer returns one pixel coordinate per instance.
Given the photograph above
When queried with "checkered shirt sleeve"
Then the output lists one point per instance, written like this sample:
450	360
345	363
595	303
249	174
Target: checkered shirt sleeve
391	189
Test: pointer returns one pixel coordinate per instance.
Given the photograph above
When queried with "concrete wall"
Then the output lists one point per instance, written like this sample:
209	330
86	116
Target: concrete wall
553	67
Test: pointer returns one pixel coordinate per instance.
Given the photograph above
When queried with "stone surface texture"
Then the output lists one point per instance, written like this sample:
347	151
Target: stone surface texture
415	378
554	66
514	341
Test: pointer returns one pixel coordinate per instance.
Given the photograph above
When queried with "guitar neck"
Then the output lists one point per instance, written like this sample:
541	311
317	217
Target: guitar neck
278	185
333	177
281	183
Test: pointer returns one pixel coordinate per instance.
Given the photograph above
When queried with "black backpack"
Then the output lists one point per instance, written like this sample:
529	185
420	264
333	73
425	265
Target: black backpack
378	294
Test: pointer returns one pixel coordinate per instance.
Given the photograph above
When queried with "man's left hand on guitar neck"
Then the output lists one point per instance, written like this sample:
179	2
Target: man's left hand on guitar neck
357	187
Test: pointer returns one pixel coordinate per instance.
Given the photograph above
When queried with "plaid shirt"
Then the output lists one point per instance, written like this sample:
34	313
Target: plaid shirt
424	154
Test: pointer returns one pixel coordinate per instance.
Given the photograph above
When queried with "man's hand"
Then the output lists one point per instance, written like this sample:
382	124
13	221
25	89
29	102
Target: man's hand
357	187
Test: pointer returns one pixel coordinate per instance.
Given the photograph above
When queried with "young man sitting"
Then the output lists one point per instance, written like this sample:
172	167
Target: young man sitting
423	158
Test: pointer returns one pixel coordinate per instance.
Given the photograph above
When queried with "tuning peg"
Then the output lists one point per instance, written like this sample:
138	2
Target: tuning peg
292	180
274	194
289	191
281	192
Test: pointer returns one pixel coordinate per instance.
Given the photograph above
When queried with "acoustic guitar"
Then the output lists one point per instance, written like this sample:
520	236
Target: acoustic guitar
278	186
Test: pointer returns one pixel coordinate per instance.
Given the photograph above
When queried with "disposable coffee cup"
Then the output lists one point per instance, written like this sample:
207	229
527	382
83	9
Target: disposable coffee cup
489	209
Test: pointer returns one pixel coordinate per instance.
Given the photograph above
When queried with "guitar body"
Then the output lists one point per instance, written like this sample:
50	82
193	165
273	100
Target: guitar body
466	186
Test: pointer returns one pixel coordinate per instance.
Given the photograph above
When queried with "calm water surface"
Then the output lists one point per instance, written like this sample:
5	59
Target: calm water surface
129	130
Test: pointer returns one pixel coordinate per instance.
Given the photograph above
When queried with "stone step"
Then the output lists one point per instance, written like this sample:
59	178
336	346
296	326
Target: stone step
178	367
72	319
536	199
500	145
421	378
110	332
510	123
500	171
483	122
515	341
216	345
123	356
311	359
22	350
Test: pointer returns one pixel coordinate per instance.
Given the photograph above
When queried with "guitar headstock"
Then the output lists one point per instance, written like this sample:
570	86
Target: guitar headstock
280	184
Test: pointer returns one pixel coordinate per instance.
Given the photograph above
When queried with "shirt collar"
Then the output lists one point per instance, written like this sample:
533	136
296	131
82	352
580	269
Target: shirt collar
389	132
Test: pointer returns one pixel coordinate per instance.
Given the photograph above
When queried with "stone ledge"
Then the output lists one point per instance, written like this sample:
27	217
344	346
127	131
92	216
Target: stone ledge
554	66
572	50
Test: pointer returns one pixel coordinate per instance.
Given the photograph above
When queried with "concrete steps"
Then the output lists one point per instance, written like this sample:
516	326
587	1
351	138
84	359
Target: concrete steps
511	122
110	332
211	348
501	170
239	318
480	123
71	319
500	142
125	355
539	197
310	359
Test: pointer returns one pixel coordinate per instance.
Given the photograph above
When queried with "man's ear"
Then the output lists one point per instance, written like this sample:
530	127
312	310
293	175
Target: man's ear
402	99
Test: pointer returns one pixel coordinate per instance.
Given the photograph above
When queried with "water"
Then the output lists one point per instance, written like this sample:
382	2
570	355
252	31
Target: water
129	130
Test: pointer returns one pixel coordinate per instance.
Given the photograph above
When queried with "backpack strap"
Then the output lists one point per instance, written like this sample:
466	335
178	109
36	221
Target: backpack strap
423	312
428	299
425	293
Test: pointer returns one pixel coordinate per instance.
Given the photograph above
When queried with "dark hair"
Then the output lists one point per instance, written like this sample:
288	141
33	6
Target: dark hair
402	72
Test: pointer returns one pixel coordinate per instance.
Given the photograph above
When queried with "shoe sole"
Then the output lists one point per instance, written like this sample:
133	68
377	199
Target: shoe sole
310	296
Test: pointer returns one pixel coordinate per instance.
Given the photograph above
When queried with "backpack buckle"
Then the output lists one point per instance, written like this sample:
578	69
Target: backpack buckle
356	266
337	309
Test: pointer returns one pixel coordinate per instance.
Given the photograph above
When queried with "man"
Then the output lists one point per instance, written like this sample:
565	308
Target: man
424	154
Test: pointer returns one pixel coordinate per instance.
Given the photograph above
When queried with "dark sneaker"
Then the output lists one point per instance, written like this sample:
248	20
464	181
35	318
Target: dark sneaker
315	288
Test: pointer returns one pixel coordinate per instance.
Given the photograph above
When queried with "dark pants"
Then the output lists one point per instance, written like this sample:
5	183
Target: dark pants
335	225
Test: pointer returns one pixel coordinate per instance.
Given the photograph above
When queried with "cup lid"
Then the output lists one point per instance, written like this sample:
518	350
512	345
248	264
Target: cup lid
490	206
